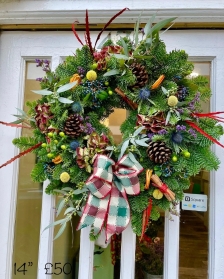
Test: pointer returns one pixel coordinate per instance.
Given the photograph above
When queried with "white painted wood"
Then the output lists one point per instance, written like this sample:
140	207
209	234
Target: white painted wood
67	11
171	244
128	243
15	48
46	237
86	255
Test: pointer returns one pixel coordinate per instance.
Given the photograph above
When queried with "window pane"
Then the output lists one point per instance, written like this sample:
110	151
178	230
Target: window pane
29	198
194	225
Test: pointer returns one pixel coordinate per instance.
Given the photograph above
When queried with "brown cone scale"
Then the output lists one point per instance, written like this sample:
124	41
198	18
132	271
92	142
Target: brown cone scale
72	126
141	75
158	152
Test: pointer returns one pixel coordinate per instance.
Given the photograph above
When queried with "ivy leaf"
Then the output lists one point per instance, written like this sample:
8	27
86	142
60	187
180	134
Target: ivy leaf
65	100
66	87
111	73
42	92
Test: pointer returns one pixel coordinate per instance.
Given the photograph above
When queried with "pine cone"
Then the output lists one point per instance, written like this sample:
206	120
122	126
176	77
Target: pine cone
72	126
158	152
141	75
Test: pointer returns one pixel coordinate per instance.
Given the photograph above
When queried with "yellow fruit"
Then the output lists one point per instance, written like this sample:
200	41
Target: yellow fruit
157	194
172	101
64	177
91	75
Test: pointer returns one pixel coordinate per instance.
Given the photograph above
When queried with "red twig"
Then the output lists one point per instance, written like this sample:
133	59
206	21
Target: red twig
87	34
75	33
193	125
145	218
108	23
14	125
21	154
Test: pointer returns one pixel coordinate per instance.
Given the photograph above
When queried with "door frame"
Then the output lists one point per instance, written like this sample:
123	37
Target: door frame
17	47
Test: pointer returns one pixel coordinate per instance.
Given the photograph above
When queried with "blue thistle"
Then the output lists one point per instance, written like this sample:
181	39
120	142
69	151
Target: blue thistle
144	94
177	137
74	144
77	107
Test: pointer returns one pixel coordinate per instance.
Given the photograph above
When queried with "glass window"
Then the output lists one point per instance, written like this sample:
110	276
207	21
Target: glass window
194	225
29	198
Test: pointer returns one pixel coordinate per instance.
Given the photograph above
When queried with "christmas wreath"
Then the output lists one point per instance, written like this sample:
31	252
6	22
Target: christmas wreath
166	138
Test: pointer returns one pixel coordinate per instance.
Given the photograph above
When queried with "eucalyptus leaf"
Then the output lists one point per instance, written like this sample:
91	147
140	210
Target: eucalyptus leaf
165	91
65	100
66	87
60	231
21	111
79	191
19	116
148	26
158	26
63	81
42	92
141	143
67	189
70	203
132	141
125	47
151	102
138	131
137	30
111	73
108	37
123	148
60	206
61	221
17	121
60	191
109	148
121	56
168	117
68	210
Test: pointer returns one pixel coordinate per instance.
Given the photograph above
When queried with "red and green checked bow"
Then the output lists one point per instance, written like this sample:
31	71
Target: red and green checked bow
109	185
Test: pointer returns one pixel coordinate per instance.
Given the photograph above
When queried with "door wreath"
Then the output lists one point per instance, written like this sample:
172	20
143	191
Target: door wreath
166	138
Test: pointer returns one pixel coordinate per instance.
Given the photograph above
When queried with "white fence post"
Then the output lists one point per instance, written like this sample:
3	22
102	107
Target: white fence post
86	255
128	245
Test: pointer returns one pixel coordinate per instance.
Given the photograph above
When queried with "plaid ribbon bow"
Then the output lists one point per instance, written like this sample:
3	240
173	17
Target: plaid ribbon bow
109	185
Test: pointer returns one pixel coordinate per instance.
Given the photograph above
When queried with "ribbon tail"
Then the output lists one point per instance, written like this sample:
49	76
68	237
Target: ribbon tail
94	213
193	125
119	212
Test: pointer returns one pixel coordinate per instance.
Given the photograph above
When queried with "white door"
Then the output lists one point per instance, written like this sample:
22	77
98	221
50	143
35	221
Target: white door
18	50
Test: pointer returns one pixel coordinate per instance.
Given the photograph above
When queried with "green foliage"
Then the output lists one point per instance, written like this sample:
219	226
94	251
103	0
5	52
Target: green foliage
165	99
24	143
38	173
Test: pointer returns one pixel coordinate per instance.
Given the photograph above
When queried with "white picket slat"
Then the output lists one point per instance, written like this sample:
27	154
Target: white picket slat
128	243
